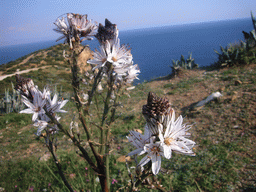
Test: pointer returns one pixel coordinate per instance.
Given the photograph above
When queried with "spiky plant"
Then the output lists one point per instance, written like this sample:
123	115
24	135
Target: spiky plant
183	63
228	57
250	38
11	102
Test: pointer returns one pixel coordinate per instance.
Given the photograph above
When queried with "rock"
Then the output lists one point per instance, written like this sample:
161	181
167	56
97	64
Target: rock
83	57
222	89
45	157
208	99
238	82
234	96
123	159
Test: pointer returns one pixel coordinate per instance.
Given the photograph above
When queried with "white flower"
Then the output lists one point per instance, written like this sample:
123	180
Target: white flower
63	28
77	26
154	126
77	21
121	70
45	118
100	57
54	106
175	138
46	93
35	108
41	126
139	140
154	153
132	73
119	54
89	31
85	27
111	51
127	72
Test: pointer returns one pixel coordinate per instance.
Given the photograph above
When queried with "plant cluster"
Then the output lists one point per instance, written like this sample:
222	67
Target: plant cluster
230	56
183	63
96	96
250	38
11	102
239	54
188	63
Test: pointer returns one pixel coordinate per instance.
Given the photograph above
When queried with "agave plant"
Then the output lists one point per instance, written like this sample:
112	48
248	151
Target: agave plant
229	56
250	38
11	102
188	63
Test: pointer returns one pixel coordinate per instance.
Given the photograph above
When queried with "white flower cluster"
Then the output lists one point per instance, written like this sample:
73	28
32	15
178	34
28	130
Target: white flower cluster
112	55
160	139
39	103
75	27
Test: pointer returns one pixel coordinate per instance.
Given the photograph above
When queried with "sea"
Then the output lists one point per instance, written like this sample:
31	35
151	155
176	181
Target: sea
153	49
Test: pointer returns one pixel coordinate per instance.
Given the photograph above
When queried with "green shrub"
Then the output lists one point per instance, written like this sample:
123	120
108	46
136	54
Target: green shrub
183	63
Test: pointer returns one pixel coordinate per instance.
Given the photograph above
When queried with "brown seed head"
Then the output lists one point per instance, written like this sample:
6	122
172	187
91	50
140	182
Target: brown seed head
156	107
106	33
25	86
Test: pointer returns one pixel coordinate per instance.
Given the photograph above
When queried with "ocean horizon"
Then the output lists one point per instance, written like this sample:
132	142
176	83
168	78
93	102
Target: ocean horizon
154	48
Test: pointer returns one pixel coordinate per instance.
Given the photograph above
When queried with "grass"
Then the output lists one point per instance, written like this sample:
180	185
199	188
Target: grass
24	174
224	131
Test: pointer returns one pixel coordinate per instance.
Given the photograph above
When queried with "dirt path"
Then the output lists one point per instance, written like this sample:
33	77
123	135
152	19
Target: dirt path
24	61
20	72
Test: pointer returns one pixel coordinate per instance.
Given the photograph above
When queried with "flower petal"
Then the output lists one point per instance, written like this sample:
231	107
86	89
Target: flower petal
167	152
144	161
156	163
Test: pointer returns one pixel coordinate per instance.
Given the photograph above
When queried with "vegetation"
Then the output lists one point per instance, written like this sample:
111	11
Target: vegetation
224	130
239	54
188	63
11	102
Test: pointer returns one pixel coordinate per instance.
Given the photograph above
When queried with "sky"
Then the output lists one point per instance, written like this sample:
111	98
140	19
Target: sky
27	21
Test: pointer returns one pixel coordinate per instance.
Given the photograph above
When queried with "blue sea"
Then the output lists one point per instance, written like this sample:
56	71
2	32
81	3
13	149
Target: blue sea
154	48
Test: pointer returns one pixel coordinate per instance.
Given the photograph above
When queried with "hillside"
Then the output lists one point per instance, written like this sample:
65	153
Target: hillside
224	129
46	66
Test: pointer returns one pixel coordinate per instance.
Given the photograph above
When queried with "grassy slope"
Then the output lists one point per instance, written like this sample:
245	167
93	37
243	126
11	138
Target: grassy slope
224	131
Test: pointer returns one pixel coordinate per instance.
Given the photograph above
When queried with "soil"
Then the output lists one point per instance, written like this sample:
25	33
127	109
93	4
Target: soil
20	72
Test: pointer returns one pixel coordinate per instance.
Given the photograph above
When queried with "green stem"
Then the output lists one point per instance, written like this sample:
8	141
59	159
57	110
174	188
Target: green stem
53	174
95	84
97	107
75	141
93	181
112	118
103	140
75	83
100	169
50	147
107	170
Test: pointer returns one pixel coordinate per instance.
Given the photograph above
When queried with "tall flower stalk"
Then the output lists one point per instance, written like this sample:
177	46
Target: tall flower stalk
112	71
112	67
162	136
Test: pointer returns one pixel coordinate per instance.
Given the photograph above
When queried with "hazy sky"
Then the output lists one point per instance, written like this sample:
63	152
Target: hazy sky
24	21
